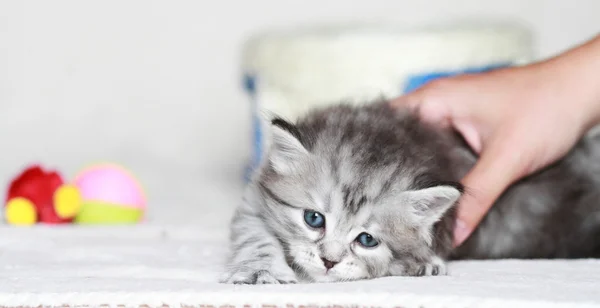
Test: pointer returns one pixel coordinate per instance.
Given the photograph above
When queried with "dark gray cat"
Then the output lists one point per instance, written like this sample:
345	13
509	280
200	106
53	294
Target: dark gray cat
352	193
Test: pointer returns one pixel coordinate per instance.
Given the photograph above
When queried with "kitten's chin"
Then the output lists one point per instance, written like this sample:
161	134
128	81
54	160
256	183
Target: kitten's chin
310	268
311	274
328	279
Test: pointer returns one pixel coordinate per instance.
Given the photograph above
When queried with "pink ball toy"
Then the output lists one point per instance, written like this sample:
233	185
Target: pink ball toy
110	194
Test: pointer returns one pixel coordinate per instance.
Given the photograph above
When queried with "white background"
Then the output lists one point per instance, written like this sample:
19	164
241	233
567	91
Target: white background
155	85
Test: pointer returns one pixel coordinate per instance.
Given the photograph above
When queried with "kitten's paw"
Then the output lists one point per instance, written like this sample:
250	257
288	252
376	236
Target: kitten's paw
434	267
266	277
259	277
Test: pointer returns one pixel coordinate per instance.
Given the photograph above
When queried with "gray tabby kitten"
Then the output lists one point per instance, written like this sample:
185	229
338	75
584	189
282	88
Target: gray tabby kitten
352	193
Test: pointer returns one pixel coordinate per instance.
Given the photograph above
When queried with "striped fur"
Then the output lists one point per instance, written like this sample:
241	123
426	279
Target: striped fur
353	165
378	170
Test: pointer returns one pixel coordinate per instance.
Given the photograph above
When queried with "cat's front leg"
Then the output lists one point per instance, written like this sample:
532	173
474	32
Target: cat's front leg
432	266
257	257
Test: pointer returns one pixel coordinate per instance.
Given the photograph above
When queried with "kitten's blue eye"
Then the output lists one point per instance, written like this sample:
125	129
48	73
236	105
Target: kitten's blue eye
367	240
314	219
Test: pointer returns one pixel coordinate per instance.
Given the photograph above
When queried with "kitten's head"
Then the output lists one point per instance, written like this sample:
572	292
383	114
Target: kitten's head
353	192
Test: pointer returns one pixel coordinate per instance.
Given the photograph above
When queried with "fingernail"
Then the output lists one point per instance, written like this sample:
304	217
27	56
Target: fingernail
461	232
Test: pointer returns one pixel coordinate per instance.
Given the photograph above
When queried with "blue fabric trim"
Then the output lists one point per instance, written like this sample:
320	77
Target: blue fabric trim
249	84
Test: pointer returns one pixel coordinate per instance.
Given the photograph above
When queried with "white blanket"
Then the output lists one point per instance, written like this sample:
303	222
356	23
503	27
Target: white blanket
179	266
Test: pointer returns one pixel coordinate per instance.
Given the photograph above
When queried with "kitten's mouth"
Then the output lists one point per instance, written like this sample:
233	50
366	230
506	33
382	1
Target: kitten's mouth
326	275
314	275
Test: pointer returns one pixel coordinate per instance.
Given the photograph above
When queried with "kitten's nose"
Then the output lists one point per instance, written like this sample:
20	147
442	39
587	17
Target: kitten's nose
329	264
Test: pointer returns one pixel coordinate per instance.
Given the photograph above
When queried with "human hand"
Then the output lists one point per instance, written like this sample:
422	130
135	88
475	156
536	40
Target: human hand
518	120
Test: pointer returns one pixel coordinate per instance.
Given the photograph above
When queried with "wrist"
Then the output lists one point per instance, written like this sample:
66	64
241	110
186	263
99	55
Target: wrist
574	82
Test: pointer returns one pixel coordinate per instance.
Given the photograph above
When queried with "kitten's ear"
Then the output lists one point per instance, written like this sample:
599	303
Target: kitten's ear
286	148
427	206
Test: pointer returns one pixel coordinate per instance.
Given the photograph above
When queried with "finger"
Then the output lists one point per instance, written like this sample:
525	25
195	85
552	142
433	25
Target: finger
429	109
470	133
410	100
435	112
494	172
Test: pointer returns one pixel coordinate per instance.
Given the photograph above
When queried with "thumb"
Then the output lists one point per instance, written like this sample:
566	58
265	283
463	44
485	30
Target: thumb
496	169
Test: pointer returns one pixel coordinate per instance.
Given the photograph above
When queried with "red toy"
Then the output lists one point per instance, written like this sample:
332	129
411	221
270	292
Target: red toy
39	196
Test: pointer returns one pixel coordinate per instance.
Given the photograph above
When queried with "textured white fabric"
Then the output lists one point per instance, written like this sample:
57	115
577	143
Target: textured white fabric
175	266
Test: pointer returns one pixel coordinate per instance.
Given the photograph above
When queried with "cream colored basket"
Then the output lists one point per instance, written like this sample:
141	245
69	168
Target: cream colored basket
288	72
